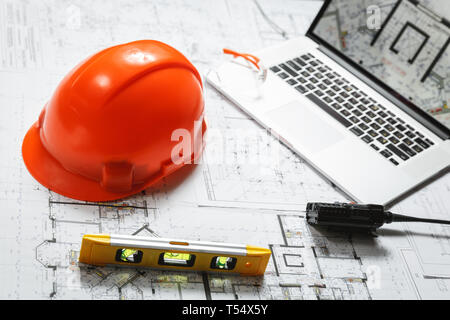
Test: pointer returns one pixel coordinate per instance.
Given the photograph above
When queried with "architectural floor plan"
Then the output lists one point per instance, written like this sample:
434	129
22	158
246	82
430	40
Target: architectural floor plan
407	47
225	198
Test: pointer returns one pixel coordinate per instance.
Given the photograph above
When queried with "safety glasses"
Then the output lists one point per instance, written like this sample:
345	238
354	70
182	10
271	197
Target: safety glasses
248	68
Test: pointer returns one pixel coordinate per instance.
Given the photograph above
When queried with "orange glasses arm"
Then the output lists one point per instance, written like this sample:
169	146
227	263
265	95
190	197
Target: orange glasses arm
247	56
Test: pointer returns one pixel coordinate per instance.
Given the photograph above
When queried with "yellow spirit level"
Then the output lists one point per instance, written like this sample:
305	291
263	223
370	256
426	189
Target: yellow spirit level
102	249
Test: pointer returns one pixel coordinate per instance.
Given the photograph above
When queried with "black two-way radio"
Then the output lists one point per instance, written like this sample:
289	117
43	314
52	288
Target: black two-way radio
356	216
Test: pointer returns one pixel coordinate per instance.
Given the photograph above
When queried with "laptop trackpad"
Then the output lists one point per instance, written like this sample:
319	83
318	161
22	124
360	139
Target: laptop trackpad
304	125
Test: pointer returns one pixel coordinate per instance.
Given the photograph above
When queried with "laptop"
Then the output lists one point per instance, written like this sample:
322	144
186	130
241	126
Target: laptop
363	97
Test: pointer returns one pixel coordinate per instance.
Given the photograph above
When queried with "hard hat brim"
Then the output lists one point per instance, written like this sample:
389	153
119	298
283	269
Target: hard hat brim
51	174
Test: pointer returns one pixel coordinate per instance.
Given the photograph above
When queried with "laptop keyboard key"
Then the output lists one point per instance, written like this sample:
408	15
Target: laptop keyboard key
408	142
394	161
348	106
373	133
288	70
318	93
300	62
371	114
329	110
363	126
398	134
364	101
417	149
365	119
301	89
380	121
348	88
293	65
406	150
361	107
391	121
367	139
394	140
422	143
345	113
275	69
384	133
397	152
344	94
357	113
305	57
356	131
354	119
336	106
330	93
386	153
382	114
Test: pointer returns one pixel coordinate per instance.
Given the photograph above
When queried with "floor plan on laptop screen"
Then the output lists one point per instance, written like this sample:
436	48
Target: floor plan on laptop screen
225	198
404	43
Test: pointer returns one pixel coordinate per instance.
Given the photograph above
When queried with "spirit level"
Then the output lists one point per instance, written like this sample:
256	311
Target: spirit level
102	249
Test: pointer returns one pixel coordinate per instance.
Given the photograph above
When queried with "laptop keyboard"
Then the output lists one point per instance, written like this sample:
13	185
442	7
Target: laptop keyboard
381	129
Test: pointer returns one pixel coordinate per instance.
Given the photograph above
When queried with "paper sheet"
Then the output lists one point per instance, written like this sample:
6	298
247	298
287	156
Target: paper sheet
40	232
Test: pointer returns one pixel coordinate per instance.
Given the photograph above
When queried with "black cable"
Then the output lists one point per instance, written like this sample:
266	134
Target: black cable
402	218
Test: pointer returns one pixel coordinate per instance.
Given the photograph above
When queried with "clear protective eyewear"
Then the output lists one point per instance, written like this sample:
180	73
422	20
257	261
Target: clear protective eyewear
251	72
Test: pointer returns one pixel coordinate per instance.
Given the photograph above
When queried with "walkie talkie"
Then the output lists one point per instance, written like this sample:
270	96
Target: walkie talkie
356	216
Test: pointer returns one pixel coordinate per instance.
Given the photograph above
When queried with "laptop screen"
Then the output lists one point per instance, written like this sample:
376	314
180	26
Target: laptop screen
403	43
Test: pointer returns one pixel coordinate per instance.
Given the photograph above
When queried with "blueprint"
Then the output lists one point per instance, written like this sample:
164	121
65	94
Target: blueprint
228	197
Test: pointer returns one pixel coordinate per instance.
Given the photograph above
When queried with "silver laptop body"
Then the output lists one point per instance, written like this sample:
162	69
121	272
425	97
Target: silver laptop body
343	116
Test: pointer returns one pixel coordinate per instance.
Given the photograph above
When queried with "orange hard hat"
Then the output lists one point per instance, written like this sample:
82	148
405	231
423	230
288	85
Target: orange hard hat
107	132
